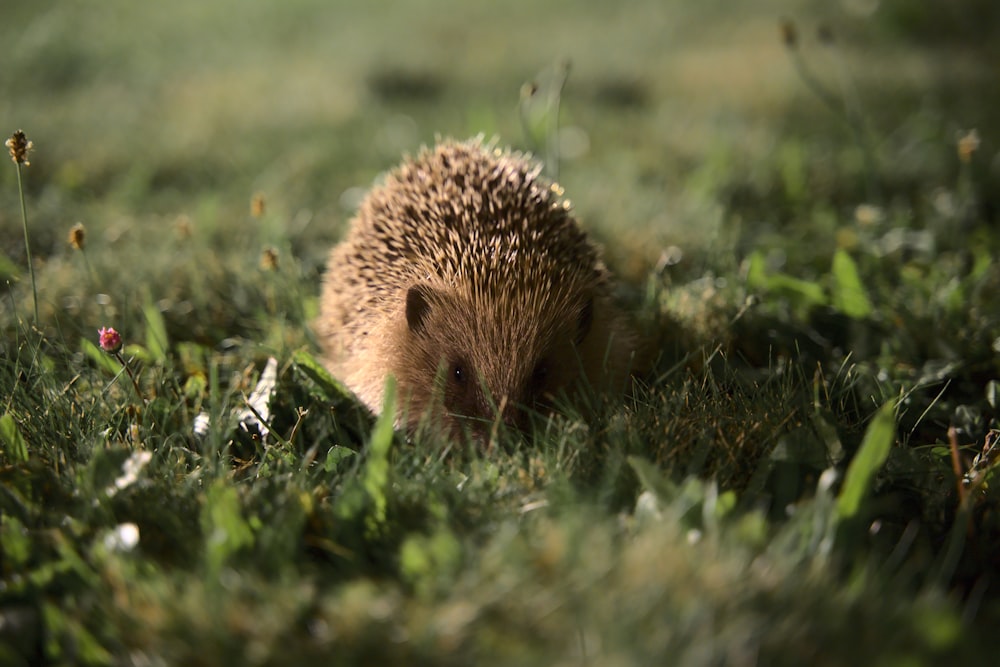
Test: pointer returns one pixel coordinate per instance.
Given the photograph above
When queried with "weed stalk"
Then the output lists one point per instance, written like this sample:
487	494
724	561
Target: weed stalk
552	91
847	108
19	148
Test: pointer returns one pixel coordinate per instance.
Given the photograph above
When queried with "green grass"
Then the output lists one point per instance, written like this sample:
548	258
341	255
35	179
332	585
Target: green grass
794	228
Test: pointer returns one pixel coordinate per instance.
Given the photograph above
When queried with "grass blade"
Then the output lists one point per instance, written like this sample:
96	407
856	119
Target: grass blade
156	332
101	359
14	444
332	387
849	294
871	455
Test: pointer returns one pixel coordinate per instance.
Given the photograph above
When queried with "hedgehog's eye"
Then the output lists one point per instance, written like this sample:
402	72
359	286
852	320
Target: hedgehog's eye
458	375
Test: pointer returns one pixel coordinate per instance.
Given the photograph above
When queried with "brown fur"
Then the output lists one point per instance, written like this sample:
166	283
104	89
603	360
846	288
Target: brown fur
466	278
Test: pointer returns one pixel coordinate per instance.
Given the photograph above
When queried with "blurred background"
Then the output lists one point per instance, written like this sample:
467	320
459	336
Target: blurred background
675	119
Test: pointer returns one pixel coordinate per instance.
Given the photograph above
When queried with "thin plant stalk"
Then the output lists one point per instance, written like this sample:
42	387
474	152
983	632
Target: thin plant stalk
77	239
27	243
131	376
90	269
847	109
545	139
111	342
552	156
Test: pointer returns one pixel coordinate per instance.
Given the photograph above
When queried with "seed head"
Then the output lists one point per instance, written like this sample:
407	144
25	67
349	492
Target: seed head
269	259
110	340
258	205
183	226
528	90
868	215
789	35
77	236
19	147
968	144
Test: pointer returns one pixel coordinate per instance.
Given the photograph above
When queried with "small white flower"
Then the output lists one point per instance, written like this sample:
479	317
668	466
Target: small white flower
123	538
130	471
259	402
201	423
827	479
647	507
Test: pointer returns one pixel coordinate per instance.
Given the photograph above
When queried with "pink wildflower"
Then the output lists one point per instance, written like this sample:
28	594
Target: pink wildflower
111	340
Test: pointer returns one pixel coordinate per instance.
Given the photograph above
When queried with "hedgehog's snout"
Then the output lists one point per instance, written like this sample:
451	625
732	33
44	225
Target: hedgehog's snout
506	415
514	405
512	414
489	405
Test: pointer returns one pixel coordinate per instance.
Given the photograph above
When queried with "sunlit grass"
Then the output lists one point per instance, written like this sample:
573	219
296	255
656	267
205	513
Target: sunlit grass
794	482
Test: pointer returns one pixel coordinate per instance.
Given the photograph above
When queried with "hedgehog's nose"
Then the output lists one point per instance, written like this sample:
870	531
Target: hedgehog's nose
512	414
504	412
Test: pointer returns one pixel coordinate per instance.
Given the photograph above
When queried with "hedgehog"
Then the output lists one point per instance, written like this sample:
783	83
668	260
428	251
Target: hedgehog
466	278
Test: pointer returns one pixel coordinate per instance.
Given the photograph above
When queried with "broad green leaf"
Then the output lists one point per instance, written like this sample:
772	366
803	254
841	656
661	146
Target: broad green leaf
652	478
136	352
336	455
102	359
756	275
422	558
871	455
414	558
196	387
792	167
803	293
799	292
331	386
222	522
9	271
376	475
14	444
849	294
156	331
15	541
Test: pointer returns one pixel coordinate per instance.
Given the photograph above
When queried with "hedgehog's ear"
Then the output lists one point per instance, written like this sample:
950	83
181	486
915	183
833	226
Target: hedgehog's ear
418	307
585	320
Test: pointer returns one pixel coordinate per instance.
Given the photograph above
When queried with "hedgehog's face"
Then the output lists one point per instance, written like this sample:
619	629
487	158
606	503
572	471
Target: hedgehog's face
478	363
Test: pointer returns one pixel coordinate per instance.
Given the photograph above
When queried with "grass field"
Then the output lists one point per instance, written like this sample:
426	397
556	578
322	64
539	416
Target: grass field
800	198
